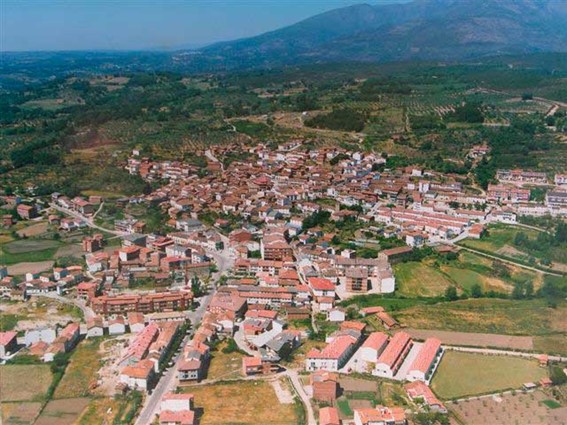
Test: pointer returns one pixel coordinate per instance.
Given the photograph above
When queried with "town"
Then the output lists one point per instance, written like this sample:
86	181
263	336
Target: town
265	258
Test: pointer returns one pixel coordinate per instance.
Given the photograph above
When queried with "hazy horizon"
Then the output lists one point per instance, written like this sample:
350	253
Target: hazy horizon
122	25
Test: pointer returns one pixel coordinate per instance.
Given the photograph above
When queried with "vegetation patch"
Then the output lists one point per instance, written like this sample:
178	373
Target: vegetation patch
81	373
243	402
24	382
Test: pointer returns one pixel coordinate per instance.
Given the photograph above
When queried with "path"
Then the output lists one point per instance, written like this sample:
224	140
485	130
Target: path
494	257
87	311
300	391
495	352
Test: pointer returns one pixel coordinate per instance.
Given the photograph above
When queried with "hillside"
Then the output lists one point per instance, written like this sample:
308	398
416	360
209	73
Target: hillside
422	29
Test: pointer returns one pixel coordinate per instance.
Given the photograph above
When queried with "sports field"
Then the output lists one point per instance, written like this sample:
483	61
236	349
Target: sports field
465	374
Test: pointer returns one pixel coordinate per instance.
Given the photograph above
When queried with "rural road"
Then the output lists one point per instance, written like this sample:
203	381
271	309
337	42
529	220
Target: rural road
87	220
294	378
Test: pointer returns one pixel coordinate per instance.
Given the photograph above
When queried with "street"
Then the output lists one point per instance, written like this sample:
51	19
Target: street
168	381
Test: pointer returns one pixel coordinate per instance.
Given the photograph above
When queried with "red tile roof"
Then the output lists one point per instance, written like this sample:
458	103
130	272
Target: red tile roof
329	416
394	348
426	355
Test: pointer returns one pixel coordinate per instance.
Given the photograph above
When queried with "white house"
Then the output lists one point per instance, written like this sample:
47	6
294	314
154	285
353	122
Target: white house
373	347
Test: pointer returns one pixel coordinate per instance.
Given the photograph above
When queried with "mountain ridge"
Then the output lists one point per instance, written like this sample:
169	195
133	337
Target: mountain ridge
419	30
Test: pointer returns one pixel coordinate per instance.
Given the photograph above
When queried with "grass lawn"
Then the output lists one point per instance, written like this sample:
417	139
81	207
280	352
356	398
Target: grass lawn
81	371
530	317
8	322
551	344
464	374
224	366
24	382
242	402
415	279
29	245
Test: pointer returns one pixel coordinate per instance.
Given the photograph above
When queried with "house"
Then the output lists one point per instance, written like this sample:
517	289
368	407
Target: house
70	335
393	356
136	321
322	287
373	346
423	365
40	334
190	370
95	327
117	326
336	315
140	375
419	390
26	212
329	416
325	386
380	415
8	343
252	366
175	409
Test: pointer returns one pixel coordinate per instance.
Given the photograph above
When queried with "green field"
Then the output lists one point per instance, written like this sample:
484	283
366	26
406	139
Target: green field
500	240
419	280
28	250
529	317
466	374
81	372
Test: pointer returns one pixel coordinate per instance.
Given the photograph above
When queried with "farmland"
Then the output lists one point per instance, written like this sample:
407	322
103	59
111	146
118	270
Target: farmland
62	412
243	402
24	382
466	374
419	279
516	408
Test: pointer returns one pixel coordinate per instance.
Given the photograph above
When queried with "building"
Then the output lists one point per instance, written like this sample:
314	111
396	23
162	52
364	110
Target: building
8	343
380	415
333	357
373	346
423	365
357	280
147	303
325	386
26	212
139	376
393	356
329	416
176	409
419	390
556	199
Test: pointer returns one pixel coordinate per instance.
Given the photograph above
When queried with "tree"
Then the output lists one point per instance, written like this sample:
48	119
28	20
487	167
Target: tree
451	293
529	289
476	291
557	375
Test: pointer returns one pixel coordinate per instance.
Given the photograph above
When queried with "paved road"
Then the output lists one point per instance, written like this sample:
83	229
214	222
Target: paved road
168	381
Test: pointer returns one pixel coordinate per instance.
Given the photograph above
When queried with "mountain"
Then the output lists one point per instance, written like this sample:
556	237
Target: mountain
422	29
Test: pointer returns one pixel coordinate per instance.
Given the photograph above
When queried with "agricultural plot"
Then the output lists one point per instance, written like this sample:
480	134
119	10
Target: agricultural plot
243	402
62	412
28	250
19	413
519	408
24	382
465	374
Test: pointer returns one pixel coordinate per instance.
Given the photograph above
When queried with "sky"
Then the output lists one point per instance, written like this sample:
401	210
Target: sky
143	24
